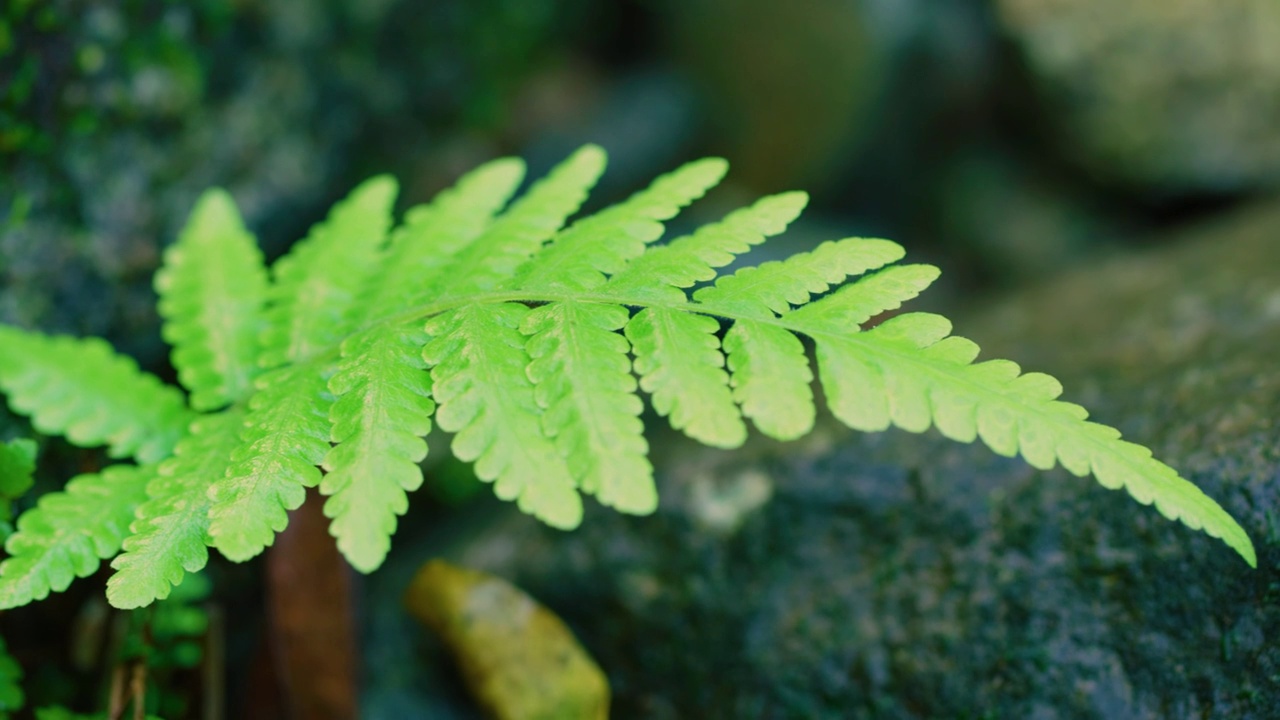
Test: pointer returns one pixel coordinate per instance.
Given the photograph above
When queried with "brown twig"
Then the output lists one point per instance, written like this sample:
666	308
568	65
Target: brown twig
312	624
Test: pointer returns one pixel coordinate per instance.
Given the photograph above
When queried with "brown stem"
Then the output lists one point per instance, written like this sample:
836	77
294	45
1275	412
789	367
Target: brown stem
312	624
138	684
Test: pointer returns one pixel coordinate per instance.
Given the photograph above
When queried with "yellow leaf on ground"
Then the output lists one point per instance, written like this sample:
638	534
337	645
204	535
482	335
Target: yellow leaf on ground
520	661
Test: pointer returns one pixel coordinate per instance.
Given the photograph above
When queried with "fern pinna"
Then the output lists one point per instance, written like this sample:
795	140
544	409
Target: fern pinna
525	338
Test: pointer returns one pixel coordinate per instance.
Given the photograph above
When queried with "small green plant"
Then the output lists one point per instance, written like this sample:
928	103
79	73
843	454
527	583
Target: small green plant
524	339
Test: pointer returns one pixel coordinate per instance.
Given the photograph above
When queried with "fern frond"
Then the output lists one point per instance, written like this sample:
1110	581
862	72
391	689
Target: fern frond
658	274
485	398
584	386
69	532
211	291
383	409
83	389
284	438
909	373
171	529
602	243
310	302
522	332
680	364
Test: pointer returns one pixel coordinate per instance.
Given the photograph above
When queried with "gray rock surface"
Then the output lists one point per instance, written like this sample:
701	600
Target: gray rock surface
1165	96
902	576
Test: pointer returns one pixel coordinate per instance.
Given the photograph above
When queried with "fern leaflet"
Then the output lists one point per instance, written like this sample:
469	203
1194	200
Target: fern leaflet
82	389
284	438
770	377
310	303
383	409
603	243
421	252
775	286
522	230
211	292
478	377
70	532
659	273
680	364
171	529
908	372
583	385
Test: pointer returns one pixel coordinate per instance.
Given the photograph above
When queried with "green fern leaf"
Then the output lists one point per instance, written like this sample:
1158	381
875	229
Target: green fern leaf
855	304
773	287
522	230
680	364
383	409
211	292
485	398
17	465
171	529
420	255
82	389
658	274
522	333
284	438
770	378
310	303
603	243
584	386
908	373
70	532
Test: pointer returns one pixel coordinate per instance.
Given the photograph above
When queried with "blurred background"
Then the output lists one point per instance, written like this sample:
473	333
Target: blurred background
1004	140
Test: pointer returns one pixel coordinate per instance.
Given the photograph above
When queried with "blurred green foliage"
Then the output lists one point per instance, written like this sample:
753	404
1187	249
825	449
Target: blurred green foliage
168	638
11	695
69	65
17	463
